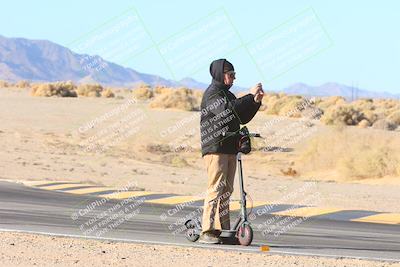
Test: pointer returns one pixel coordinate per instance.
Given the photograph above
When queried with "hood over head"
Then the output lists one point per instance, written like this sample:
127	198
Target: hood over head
217	72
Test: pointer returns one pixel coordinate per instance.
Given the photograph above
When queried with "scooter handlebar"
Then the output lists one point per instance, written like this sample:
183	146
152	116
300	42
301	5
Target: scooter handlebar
254	134
235	133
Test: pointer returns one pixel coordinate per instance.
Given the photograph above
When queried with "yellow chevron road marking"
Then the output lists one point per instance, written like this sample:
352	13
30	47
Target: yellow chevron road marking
39	183
90	190
306	212
174	200
64	186
385	218
126	194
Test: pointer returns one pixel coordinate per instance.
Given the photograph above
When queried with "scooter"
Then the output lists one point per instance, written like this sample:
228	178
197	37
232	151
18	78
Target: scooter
241	230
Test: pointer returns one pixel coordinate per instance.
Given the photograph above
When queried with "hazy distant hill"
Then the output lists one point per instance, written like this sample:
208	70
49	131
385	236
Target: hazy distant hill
335	89
41	60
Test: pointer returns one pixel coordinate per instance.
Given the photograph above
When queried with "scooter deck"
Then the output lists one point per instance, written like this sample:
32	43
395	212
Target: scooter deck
228	233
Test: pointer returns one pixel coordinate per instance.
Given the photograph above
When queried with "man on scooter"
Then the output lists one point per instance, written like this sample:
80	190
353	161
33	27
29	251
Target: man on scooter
222	112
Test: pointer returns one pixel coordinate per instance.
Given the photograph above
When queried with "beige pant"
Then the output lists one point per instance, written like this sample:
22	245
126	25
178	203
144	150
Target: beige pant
221	170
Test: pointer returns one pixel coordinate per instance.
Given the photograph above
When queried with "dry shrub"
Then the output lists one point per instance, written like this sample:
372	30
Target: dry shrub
362	112
395	117
342	115
181	98
22	84
143	92
364	104
351	154
384	124
327	102
4	84
289	172
89	90
60	89
292	106
274	103
371	116
177	161
198	94
364	124
368	109
285	105
385	107
107	93
162	89
386	103
158	148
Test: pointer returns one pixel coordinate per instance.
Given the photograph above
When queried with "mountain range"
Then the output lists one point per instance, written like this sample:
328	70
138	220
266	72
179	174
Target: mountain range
45	61
336	89
42	60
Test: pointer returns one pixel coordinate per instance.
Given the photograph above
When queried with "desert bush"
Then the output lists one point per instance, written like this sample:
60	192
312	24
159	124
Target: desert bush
327	102
178	161
364	124
4	84
289	172
198	95
143	92
351	154
89	90
181	98
292	106
385	107
395	117
108	93
384	124
342	114
22	84
162	89
158	148
386	103
274	103
285	105
364	104
371	116
60	89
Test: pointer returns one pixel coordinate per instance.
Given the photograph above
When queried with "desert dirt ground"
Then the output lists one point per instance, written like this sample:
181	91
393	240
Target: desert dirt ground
18	249
115	142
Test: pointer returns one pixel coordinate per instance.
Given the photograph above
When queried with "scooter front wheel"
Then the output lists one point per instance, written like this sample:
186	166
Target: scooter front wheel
245	234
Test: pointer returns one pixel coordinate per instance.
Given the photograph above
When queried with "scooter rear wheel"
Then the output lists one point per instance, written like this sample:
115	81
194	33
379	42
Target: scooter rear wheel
245	234
191	233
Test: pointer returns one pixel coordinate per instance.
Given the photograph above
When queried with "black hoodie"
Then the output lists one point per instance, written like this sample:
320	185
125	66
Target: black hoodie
222	112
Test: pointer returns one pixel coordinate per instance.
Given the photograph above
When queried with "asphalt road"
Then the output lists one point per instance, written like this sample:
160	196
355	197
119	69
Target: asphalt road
29	209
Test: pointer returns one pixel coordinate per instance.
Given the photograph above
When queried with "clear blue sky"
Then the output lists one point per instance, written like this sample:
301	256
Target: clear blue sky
364	36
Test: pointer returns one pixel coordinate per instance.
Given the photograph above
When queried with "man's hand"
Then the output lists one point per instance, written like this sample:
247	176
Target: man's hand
258	92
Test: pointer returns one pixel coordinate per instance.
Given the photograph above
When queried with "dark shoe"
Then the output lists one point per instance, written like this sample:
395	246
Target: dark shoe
208	238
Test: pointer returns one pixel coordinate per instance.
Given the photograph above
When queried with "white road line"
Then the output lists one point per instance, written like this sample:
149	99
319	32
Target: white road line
238	248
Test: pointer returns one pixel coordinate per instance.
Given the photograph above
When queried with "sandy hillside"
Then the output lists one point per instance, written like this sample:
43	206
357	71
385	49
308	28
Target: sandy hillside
114	141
